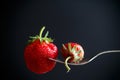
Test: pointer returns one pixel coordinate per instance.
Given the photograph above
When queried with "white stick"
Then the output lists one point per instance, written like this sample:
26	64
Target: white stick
90	60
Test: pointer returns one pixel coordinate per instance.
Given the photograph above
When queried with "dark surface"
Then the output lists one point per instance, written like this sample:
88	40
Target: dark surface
93	24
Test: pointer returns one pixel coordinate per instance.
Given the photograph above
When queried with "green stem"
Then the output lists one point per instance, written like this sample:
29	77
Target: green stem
41	31
64	47
66	64
69	47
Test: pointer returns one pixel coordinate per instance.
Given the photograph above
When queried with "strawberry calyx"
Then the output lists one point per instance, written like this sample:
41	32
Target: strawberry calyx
73	54
40	37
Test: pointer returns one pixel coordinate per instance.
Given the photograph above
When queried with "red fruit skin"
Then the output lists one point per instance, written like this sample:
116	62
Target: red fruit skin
37	56
66	53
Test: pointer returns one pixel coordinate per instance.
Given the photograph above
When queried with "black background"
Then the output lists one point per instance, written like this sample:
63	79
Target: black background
95	24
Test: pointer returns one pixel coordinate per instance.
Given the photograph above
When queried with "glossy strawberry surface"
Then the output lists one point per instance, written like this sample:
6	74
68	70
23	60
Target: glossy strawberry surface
37	56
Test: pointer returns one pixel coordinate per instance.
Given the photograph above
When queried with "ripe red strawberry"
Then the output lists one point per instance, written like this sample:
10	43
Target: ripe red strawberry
38	52
72	52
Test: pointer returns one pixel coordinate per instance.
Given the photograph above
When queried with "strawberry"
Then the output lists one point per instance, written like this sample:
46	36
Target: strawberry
38	52
72	52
